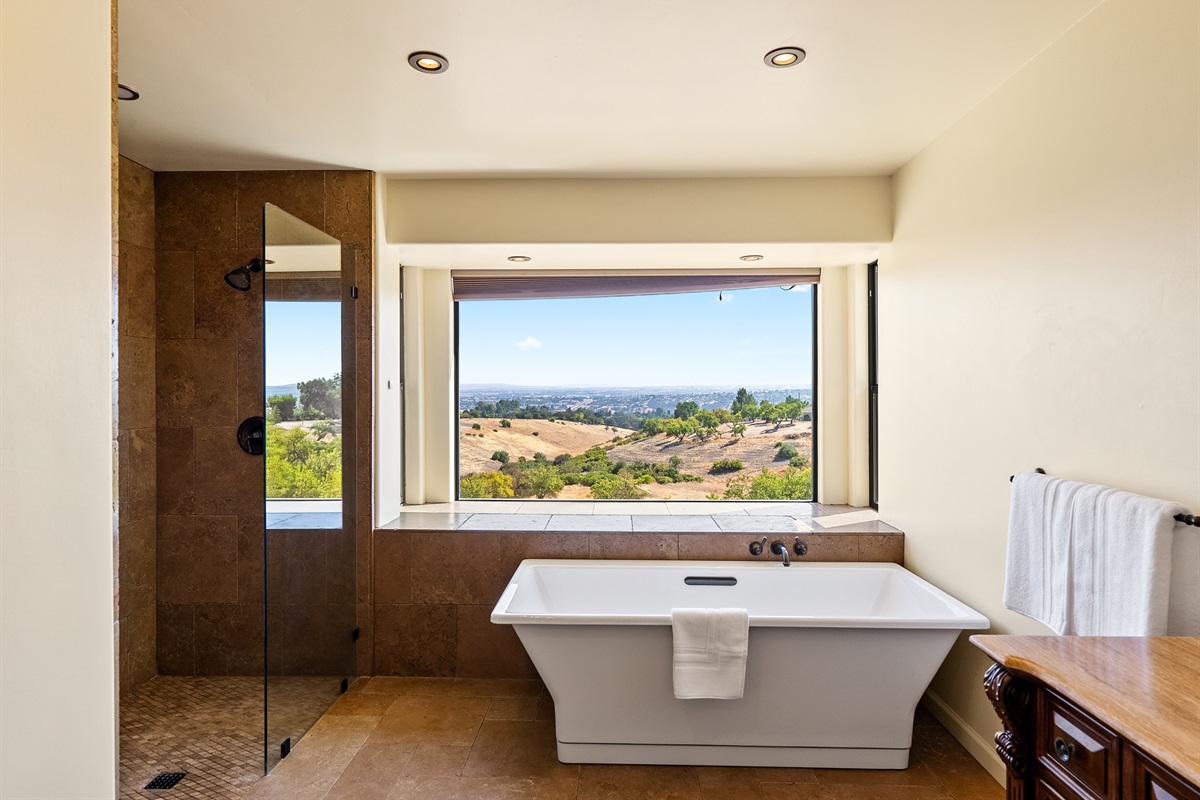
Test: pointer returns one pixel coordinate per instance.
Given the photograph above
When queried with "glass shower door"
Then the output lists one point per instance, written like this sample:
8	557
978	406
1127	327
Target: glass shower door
308	541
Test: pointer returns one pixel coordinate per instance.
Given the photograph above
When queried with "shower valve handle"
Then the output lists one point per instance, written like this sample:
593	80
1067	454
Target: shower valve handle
756	548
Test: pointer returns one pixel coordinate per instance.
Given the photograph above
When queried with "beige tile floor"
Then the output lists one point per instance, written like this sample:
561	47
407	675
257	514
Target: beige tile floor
448	739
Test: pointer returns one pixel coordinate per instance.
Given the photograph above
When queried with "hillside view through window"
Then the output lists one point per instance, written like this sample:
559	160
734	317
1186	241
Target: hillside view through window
304	400
691	396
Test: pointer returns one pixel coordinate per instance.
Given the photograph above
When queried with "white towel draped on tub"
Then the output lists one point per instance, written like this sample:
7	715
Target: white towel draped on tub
1087	560
710	652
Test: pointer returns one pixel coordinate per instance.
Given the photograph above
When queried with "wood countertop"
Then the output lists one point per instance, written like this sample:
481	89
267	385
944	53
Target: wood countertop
1145	689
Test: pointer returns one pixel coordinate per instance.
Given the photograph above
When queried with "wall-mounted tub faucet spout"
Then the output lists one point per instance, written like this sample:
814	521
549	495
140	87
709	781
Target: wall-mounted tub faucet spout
780	549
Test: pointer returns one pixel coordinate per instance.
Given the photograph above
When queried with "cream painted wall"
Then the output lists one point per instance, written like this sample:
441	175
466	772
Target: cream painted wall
57	670
1040	306
389	376
431	412
842	456
697	210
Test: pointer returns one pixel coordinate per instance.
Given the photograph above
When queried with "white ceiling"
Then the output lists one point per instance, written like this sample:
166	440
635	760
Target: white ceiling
564	87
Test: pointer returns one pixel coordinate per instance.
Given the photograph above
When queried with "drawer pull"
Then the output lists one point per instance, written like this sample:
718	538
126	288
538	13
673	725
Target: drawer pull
1063	749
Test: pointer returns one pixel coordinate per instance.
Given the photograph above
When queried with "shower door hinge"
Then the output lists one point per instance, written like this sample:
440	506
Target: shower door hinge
354	635
345	687
353	292
285	748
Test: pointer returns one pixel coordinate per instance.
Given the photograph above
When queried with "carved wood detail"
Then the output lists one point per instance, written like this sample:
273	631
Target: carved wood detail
1013	700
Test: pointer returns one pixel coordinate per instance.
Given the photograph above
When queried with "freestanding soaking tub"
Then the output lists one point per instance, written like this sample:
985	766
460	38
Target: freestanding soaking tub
839	655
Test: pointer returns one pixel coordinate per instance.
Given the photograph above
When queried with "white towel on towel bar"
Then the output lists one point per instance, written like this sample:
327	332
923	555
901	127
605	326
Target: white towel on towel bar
1088	560
710	647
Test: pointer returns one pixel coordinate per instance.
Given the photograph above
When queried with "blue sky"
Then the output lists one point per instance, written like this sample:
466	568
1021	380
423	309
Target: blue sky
756	337
304	341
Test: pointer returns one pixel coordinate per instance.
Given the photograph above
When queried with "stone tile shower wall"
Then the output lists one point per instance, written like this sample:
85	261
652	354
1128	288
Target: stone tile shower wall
136	422
209	377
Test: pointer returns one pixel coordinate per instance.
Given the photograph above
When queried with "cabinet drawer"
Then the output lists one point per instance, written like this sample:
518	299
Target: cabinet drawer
1044	790
1077	748
1146	779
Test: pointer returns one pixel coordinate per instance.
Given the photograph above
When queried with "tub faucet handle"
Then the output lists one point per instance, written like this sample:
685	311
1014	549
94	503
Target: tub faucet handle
756	548
800	548
780	549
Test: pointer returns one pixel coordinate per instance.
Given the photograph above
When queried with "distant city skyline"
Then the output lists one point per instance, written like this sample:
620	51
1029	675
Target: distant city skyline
702	339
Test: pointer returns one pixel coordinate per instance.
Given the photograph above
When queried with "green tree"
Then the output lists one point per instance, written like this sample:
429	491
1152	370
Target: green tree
322	395
686	410
299	466
738	429
506	423
743	402
284	406
786	451
501	456
707	422
486	484
675	461
677	428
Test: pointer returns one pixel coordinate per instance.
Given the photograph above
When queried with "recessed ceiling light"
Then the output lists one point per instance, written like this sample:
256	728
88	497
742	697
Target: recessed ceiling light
125	93
423	61
784	57
751	258
520	259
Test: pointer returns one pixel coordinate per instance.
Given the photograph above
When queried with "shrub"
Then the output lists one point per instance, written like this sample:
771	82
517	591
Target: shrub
778	444
726	465
539	456
486	484
799	462
501	456
537	433
559	460
789	484
644	479
616	487
476	426
787	451
506	423
712	496
792	436
543	481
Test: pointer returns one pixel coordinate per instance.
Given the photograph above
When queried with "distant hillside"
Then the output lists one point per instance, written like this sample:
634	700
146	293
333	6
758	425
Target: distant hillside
524	438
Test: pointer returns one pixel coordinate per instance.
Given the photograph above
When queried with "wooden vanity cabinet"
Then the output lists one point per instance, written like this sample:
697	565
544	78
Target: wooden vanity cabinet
1067	739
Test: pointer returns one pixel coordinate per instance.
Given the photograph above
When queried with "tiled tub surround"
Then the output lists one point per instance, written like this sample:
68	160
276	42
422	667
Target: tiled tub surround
435	577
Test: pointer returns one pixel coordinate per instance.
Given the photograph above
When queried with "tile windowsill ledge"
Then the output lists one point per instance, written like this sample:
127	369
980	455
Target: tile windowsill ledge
586	516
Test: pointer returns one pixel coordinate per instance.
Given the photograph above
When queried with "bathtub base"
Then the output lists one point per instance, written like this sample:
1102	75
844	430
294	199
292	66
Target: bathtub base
734	756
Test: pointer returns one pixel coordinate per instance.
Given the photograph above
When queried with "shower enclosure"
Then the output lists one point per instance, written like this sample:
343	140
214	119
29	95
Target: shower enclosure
307	442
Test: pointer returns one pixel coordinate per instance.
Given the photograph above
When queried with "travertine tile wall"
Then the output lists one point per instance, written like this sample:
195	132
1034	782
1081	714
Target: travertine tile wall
136	421
433	591
210	378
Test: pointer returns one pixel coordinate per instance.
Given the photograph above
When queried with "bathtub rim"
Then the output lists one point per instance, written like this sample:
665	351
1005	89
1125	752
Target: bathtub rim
959	615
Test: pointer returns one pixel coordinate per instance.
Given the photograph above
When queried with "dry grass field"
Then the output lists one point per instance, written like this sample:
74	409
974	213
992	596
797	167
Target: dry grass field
524	438
755	450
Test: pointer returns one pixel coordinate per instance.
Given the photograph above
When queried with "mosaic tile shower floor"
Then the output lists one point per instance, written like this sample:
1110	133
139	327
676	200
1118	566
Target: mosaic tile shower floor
212	729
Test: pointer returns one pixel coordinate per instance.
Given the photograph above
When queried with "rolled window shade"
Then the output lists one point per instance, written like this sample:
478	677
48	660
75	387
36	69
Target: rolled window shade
531	286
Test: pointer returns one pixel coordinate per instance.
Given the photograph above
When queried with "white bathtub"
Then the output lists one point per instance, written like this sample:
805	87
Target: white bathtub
839	655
